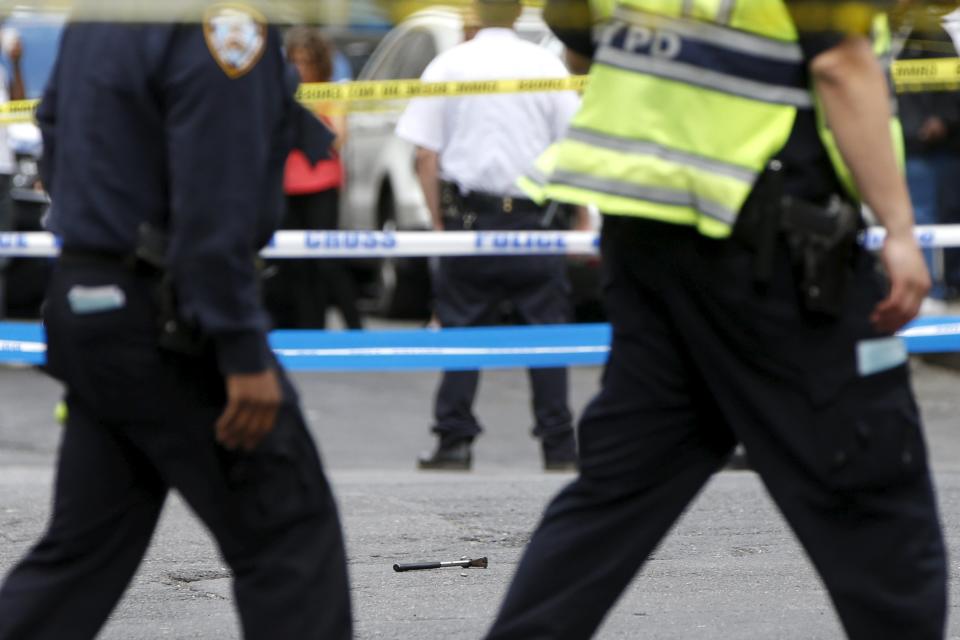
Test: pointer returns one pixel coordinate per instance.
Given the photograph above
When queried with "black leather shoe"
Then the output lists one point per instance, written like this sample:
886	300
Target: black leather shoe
560	454
738	460
449	456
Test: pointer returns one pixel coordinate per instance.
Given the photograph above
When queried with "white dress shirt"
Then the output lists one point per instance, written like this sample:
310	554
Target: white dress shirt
486	142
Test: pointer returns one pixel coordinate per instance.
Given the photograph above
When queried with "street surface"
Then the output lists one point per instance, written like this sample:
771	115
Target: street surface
731	569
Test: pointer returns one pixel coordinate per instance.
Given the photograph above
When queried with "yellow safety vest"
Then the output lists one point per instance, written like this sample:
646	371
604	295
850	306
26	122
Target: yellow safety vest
688	101
534	181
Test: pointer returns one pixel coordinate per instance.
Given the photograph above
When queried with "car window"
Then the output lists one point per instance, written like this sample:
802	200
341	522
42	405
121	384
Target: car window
406	57
418	50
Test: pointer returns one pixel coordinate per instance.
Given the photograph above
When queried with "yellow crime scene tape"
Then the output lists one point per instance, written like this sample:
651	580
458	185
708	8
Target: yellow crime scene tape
852	14
930	74
937	74
389	90
372	95
18	111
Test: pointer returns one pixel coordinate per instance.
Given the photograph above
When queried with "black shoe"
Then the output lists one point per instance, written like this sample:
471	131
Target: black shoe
738	460
560	454
449	456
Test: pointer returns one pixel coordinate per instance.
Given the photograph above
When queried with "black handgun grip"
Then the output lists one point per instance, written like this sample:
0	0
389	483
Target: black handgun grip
416	566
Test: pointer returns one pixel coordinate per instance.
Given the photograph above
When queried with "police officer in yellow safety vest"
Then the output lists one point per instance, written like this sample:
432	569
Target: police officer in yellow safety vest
729	144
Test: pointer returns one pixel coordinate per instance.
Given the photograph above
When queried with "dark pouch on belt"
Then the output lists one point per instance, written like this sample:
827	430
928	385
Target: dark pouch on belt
821	242
177	334
455	214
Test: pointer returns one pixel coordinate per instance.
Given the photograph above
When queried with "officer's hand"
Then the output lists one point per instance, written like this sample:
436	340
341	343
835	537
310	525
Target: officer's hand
251	412
933	130
909	283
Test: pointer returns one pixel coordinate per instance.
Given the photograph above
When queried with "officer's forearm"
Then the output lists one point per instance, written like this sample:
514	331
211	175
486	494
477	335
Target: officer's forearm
17	91
856	99
428	172
582	219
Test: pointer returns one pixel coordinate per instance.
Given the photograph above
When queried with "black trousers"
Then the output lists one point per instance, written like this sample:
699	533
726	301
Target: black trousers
472	292
141	423
301	290
700	360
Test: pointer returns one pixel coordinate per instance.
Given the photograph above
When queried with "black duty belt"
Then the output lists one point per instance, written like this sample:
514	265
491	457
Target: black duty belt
480	203
73	256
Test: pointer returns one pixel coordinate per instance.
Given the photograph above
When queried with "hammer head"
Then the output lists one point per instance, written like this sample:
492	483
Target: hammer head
479	563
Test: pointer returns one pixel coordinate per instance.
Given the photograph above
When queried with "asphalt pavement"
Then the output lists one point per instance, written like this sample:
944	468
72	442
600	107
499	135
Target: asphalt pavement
730	569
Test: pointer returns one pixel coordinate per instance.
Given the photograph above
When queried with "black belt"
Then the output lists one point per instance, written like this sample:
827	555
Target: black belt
480	203
104	258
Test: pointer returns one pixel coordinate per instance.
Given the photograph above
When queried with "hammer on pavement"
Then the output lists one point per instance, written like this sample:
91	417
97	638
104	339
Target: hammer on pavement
464	562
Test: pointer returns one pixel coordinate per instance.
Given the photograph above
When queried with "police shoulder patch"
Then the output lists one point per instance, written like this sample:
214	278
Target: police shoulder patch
236	36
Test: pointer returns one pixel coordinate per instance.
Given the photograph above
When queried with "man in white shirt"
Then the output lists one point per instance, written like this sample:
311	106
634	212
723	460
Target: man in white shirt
470	152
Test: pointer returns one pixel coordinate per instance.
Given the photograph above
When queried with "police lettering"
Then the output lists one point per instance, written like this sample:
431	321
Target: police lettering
13	241
642	40
926	239
508	241
349	240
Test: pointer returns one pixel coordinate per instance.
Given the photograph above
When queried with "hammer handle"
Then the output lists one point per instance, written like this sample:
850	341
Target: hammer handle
416	566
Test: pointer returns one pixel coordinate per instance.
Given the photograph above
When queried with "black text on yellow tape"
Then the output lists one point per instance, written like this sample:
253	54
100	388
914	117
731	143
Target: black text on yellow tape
387	90
931	74
18	111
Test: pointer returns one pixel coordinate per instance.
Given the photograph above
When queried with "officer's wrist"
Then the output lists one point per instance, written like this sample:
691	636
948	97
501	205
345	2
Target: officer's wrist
242	352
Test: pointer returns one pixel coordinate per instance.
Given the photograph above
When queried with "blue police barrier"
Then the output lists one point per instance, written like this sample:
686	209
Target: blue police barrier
480	348
22	342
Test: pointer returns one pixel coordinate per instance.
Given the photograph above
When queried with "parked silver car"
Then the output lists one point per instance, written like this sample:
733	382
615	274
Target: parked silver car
381	189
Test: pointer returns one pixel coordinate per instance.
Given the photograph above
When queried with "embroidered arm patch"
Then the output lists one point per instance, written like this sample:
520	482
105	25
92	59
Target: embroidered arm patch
236	36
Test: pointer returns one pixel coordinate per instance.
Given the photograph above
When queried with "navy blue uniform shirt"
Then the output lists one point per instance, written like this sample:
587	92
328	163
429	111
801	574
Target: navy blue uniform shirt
187	128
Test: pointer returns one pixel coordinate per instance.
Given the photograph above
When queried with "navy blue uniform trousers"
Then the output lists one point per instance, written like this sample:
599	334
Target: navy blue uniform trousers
473	291
141	423
700	360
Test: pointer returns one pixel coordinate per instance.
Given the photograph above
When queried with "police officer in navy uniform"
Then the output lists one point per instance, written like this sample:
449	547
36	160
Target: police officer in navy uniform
742	308
470	153
164	146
